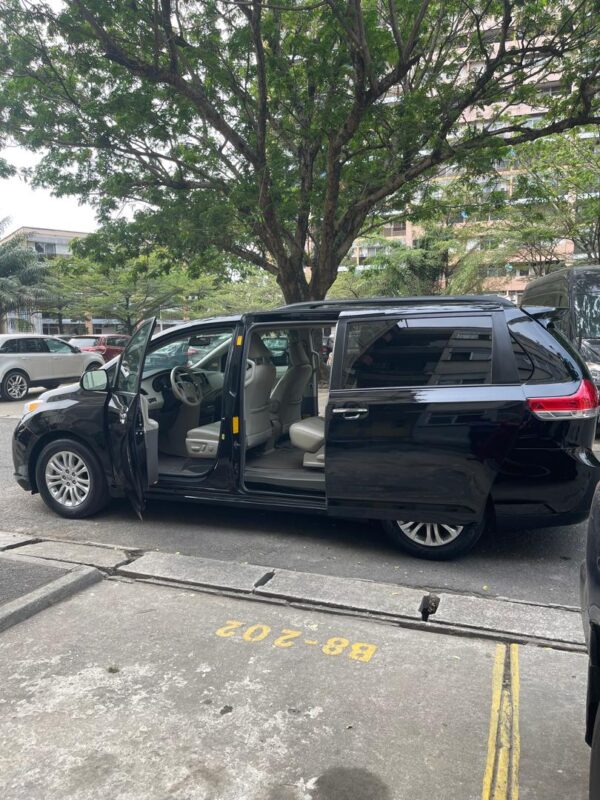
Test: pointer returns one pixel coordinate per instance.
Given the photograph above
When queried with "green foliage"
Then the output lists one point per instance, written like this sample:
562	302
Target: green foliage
253	290
272	135
21	277
559	187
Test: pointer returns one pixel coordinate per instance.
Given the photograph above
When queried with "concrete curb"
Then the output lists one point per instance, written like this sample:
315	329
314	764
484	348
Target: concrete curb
66	585
464	615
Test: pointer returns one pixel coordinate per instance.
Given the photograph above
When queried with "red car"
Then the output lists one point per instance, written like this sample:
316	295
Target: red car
108	345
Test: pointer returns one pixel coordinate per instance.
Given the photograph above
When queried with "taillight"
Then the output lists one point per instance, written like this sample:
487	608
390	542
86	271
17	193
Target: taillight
581	405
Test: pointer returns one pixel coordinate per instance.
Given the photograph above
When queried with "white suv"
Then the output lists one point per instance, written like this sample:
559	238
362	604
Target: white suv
33	360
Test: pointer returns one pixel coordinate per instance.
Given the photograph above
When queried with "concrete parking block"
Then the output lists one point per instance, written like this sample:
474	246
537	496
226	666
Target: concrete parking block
516	619
10	540
101	557
197	571
355	595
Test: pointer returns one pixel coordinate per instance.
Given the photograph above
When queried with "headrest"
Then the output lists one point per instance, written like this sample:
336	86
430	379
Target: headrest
258	349
297	353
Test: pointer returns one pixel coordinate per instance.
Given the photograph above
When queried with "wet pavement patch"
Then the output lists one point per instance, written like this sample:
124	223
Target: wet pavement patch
20	578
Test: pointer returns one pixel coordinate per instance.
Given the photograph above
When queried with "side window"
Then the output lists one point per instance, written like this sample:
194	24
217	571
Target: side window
10	346
425	352
539	356
32	345
130	367
56	346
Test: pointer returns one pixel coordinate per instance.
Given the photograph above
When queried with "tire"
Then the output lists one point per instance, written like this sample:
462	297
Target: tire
455	539
595	761
15	385
93	366
70	479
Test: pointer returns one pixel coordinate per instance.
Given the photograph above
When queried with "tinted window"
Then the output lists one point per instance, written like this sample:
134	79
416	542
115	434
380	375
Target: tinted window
82	341
9	346
586	301
539	356
32	346
434	352
56	346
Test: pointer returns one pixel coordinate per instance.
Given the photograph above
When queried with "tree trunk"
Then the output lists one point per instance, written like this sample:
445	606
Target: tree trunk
292	281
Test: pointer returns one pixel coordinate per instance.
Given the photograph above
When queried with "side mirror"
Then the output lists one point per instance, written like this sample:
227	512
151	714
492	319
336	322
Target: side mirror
95	380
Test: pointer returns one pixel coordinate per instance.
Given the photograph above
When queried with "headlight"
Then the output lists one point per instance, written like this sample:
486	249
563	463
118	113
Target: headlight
29	407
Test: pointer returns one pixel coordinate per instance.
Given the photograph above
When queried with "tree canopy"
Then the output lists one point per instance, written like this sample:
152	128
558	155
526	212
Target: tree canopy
275	133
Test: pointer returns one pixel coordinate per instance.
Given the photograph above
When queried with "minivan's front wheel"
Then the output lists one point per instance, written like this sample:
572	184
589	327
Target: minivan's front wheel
70	479
15	385
434	540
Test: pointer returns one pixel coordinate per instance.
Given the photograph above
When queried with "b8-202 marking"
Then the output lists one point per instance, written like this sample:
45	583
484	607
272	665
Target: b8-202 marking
334	646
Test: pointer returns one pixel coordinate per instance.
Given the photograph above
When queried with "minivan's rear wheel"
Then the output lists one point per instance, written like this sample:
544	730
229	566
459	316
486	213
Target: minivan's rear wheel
15	385
70	479
434	540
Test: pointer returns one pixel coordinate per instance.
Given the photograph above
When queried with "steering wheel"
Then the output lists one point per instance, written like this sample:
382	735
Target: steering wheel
185	387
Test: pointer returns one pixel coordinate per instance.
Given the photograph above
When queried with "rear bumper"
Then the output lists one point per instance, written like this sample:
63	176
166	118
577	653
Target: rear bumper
552	488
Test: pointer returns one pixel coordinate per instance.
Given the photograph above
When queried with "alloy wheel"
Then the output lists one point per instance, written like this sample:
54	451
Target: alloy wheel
16	387
67	478
430	534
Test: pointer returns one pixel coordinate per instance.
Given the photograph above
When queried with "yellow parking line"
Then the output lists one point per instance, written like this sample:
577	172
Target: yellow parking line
501	776
497	675
515	683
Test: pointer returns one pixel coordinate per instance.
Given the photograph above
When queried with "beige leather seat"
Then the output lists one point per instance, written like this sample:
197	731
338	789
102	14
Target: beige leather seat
286	397
203	442
309	435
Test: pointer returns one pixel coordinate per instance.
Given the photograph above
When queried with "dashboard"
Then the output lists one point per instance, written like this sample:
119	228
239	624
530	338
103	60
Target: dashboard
156	388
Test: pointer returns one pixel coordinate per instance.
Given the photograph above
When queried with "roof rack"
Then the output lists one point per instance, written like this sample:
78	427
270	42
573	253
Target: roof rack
397	301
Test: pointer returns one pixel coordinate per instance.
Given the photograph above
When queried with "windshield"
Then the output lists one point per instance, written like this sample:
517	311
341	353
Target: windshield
192	350
82	341
587	304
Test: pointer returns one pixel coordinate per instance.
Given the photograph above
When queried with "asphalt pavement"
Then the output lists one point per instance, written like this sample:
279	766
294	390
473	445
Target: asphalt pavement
536	566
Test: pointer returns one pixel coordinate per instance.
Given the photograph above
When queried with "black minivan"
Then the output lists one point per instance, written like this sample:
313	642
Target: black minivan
575	292
439	416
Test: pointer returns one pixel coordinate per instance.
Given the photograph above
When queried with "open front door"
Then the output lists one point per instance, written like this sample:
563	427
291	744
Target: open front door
126	421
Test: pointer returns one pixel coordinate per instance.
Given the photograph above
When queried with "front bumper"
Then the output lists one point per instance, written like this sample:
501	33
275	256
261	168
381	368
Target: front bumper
22	443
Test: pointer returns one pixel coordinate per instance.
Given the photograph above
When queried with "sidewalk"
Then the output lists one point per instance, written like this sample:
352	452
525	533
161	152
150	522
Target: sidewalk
133	689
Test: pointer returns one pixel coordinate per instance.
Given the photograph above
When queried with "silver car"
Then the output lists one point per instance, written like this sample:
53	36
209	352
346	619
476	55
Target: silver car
33	360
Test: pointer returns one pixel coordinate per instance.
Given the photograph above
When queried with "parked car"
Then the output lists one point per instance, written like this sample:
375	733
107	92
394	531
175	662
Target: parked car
33	360
590	609
575	293
444	415
108	345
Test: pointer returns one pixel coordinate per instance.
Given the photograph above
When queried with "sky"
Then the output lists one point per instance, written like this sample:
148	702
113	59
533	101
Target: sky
36	207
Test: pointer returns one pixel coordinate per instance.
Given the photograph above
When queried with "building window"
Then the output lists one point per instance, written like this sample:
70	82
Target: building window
394	229
45	249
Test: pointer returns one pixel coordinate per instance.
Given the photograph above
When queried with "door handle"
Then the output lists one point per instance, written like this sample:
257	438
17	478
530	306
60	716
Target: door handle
351	413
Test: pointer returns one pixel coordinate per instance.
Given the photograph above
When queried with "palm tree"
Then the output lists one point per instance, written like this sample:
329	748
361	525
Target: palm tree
21	276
